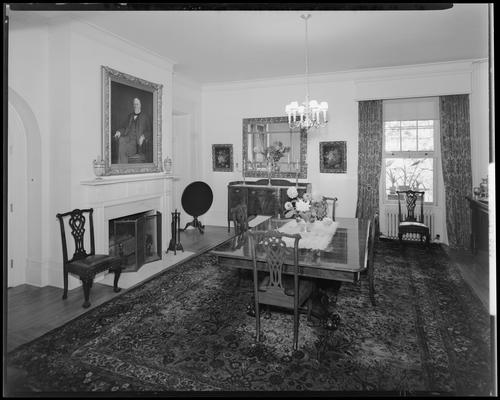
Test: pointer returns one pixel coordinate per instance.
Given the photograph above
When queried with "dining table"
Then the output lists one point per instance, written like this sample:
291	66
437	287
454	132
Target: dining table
330	252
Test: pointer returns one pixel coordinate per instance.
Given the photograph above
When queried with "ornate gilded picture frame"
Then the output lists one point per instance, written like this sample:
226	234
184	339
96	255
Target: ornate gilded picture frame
222	157
131	123
332	157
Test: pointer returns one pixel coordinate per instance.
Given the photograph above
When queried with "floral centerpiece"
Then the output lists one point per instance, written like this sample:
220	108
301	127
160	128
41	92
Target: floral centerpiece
276	151
308	207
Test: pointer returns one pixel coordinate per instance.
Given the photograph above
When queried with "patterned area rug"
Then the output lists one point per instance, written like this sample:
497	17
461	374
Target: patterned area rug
187	330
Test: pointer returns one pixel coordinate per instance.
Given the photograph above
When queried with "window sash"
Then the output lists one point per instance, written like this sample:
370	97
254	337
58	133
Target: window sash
416	125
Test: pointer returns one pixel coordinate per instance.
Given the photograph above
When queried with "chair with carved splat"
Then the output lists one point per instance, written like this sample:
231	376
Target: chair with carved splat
84	263
408	223
369	268
271	255
239	217
334	202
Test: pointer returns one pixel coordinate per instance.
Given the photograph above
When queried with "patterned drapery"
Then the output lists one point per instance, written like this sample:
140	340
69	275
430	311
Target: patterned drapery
457	173
370	123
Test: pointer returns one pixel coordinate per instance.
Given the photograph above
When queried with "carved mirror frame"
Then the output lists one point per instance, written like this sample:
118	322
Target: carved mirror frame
275	174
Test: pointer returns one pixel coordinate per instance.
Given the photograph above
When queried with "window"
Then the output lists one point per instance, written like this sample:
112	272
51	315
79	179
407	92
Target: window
409	158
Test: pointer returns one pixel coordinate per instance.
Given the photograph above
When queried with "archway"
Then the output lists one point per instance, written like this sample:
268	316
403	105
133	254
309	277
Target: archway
27	166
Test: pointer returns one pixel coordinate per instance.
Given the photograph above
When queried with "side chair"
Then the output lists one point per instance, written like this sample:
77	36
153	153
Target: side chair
409	223
369	269
239	217
84	263
334	202
269	253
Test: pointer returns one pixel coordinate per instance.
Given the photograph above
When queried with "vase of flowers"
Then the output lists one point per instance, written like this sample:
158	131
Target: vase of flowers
308	208
275	152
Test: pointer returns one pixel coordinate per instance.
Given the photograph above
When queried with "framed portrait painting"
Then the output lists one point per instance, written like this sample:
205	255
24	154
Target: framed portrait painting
222	157
332	157
131	123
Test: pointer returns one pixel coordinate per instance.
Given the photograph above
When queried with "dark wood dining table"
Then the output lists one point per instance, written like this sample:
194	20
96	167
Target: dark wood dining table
343	260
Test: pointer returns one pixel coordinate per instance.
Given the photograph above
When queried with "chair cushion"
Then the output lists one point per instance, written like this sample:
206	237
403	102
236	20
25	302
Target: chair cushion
92	265
306	287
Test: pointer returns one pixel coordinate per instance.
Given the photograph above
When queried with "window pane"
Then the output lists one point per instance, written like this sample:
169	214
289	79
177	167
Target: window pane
392	140
409	139
409	173
426	139
428	123
408	124
392	124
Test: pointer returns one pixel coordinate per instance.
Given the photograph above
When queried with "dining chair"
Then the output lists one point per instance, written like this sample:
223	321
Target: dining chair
239	217
334	201
269	252
408	223
369	269
84	263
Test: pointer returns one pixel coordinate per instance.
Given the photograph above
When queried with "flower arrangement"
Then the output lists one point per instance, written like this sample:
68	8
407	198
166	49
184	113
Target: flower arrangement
276	151
308	208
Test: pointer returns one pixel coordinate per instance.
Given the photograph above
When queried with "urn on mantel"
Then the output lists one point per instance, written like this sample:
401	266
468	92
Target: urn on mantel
99	167
167	165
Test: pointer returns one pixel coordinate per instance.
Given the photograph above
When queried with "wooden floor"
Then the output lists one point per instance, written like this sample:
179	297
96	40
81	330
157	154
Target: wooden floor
34	311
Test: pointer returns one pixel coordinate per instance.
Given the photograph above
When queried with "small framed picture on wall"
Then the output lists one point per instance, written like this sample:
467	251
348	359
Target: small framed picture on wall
222	157
332	157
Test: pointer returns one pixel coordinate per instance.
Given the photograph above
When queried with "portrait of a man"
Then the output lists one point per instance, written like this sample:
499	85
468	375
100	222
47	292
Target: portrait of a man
131	125
333	157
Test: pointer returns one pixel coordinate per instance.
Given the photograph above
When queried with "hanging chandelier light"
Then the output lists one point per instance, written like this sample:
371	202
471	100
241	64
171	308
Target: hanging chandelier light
310	114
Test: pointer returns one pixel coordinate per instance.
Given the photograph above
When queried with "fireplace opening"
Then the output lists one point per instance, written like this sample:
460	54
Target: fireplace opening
136	238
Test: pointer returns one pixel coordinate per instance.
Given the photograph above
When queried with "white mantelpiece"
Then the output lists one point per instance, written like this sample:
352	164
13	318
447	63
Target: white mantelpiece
117	196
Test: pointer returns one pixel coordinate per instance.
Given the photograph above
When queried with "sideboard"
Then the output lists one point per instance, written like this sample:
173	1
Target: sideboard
479	224
260	197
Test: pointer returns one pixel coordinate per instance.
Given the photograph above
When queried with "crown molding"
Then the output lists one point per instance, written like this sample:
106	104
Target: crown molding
357	75
102	35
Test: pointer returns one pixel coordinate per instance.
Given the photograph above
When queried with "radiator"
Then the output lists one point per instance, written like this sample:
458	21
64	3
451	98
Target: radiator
391	218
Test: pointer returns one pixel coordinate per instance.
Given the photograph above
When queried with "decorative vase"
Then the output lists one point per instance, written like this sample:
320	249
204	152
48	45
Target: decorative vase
477	191
99	168
308	226
301	224
484	187
167	165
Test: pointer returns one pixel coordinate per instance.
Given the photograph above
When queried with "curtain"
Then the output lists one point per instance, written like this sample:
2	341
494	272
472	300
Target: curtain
370	124
456	160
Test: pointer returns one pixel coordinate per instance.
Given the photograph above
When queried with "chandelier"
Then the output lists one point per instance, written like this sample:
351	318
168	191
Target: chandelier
310	114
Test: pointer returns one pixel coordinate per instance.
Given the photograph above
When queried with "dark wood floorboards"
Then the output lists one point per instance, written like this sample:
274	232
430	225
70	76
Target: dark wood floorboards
33	311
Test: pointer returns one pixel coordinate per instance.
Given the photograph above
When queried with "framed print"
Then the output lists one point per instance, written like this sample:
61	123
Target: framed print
222	157
131	123
332	157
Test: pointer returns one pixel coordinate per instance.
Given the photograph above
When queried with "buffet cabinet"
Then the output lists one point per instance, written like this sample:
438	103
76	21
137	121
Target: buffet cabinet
479	224
260	197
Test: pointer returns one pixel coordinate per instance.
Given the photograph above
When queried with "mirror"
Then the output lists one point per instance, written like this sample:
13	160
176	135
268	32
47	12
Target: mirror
287	148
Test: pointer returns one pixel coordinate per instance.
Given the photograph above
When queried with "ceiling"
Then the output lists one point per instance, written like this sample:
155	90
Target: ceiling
222	46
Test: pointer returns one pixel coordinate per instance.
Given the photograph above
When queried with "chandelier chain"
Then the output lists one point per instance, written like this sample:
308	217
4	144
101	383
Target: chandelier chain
311	114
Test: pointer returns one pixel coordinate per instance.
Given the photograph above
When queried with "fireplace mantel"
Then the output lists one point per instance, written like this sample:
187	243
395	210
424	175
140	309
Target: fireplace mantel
112	180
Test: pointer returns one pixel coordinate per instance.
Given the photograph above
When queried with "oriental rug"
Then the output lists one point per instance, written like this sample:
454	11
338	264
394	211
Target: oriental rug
187	330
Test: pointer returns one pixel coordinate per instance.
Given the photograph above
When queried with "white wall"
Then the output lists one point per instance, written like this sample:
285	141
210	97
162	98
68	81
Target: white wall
225	105
56	69
185	151
479	122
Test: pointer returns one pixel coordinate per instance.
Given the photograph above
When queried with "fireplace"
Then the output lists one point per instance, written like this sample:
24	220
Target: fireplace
136	238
